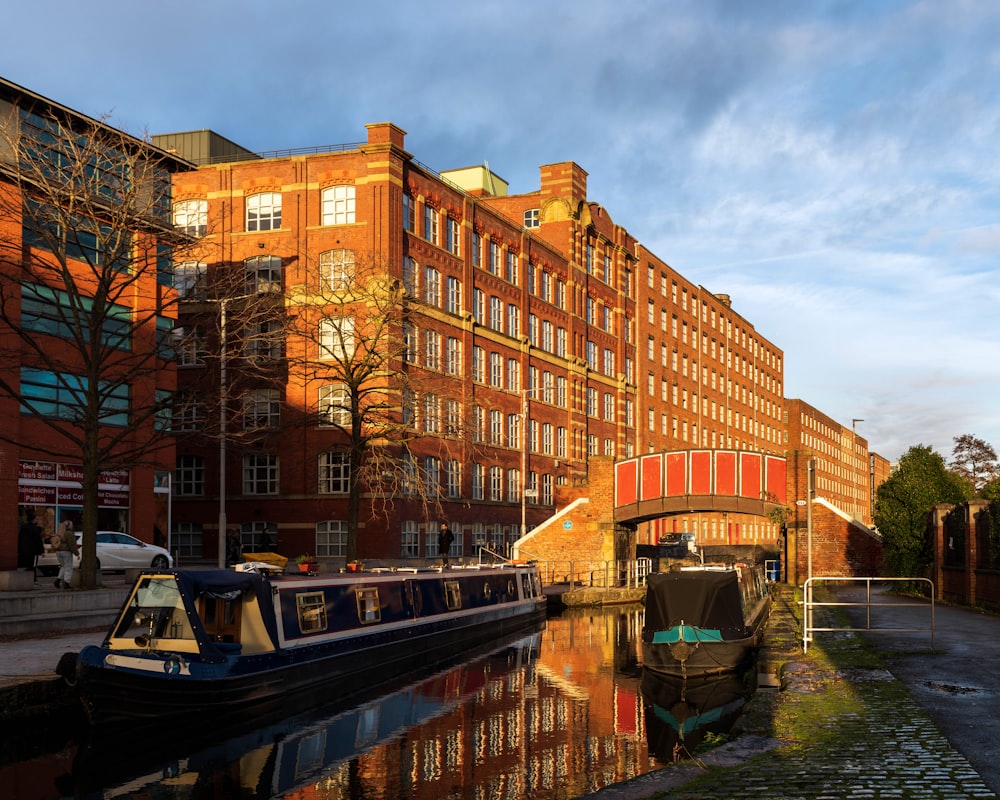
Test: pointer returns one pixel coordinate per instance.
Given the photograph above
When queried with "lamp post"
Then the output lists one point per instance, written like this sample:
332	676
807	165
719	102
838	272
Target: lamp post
223	389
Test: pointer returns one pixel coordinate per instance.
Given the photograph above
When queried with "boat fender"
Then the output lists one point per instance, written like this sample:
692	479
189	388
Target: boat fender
66	668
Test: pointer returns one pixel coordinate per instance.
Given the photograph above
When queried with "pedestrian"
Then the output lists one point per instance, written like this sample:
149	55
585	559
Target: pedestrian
445	538
64	544
234	549
29	541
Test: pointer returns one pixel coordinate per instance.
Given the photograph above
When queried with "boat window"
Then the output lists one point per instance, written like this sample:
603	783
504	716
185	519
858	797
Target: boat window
511	589
525	584
311	607
452	595
155	610
487	590
369	608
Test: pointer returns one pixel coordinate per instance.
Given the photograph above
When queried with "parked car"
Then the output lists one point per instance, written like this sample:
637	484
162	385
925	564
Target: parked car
115	552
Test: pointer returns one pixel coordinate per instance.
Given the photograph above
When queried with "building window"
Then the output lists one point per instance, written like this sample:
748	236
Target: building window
337	205
409	213
496	313
432	413
260	474
263	341
264	211
479	306
261	409
61	395
531	219
336	269
409	540
54	312
495	258
453	478
431	224
186	539
453	417
513	375
512	275
187	414
189	476
609	407
453	300
335	405
477	250
513	485
513	320
478	364
191	216
514	430
331	538
432	350
336	338
432	287
454	236
334	472
453	356
432	476
478	481
263	274
496	427
189	280
496	370
496	483
189	345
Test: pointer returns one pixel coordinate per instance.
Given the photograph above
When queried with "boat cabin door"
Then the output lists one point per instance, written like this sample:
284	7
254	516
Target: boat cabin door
220	618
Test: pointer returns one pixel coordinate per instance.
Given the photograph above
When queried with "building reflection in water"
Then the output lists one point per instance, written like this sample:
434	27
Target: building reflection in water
557	714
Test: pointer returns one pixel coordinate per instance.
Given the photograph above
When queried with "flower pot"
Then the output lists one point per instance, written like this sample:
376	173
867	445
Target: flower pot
354	567
307	566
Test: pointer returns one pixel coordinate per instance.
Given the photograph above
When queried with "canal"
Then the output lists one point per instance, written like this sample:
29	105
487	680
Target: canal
557	713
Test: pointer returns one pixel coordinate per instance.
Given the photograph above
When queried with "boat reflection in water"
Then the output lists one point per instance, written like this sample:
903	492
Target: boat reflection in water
552	715
682	712
303	749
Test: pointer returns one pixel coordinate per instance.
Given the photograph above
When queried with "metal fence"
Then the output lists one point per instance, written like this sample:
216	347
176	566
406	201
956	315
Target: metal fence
810	604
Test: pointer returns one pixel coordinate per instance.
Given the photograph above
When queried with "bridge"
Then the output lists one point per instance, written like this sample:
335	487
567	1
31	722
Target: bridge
681	481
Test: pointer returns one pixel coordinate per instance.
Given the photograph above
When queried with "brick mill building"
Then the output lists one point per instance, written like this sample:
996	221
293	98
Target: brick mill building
534	306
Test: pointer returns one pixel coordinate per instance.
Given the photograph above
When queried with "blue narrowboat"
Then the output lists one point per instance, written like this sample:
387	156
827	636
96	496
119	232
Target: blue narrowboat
217	642
703	620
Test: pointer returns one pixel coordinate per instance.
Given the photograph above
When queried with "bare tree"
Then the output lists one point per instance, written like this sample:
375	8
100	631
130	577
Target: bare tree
974	459
232	337
359	331
84	295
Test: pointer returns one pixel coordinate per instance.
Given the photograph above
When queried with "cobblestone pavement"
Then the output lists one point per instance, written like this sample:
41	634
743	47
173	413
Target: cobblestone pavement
841	727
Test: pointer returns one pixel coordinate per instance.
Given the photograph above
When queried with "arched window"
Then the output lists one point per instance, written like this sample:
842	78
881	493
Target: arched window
264	211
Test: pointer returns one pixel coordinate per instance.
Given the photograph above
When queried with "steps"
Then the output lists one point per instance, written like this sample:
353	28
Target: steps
47	610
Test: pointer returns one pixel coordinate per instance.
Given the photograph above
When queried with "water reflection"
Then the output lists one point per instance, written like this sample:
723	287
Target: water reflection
555	714
682	713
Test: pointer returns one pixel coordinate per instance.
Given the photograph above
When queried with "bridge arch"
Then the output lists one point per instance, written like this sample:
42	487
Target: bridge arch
680	481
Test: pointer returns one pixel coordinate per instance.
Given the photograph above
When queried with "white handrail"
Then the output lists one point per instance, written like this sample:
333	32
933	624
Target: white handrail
809	605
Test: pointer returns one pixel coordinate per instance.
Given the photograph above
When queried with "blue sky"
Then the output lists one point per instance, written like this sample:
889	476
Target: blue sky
830	165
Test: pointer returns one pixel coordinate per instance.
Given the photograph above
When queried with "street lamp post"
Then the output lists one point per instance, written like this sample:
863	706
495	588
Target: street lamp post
223	389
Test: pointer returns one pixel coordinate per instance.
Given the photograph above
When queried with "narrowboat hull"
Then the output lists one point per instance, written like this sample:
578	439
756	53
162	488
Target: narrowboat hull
703	621
376	627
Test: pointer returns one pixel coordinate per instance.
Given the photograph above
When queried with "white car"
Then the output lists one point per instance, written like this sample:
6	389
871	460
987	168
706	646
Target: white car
115	552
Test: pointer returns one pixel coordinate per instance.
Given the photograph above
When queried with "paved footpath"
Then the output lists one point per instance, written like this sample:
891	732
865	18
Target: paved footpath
874	740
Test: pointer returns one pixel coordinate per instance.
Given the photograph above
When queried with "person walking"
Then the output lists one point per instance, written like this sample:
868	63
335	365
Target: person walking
29	542
445	538
65	546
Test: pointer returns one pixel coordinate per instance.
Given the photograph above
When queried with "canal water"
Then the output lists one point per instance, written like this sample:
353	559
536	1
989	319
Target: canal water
556	713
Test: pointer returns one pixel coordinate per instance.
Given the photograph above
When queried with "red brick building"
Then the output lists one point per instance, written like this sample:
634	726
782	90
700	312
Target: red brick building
544	325
50	293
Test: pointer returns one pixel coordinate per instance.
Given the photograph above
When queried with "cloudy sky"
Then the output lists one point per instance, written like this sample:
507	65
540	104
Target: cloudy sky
830	165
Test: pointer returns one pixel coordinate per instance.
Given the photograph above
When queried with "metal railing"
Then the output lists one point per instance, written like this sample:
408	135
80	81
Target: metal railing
809	605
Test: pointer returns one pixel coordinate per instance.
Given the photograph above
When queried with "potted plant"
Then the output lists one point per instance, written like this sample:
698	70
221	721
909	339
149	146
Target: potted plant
306	562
